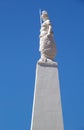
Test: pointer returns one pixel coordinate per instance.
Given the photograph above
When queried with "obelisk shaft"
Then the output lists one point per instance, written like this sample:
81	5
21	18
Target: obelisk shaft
47	111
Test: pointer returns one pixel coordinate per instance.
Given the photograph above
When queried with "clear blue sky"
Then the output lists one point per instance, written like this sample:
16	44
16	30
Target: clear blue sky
19	43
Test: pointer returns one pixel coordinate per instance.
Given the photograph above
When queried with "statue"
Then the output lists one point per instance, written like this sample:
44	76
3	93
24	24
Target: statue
47	44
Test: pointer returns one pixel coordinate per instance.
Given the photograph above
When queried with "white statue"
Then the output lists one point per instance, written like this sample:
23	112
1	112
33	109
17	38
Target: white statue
47	44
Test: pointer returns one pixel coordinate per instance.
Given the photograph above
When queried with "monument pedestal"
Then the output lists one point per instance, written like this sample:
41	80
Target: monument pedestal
47	111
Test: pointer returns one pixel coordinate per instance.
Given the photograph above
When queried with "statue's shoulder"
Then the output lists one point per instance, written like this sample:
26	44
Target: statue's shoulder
48	22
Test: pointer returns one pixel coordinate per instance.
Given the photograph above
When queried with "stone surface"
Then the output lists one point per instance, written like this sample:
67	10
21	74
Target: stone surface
47	44
47	111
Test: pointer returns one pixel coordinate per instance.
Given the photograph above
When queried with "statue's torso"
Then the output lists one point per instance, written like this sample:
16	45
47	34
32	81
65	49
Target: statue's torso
44	28
47	43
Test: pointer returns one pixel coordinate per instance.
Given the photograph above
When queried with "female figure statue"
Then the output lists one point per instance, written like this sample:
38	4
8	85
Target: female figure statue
47	44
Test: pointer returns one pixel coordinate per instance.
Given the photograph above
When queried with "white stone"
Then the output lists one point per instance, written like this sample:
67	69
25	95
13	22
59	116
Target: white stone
47	44
47	111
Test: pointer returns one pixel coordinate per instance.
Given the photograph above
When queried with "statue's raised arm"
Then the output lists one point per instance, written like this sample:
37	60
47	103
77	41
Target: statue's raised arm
47	44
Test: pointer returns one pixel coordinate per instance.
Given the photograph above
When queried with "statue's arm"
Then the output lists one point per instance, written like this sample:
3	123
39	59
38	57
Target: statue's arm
49	30
49	27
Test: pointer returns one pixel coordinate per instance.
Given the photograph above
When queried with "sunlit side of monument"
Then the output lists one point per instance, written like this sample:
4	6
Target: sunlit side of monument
47	110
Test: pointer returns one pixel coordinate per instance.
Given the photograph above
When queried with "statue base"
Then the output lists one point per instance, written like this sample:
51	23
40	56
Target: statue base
47	110
47	62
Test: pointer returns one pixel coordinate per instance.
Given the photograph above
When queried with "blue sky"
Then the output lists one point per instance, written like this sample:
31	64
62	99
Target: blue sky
19	43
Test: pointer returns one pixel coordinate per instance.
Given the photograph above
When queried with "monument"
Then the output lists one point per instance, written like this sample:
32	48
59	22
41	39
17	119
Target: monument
47	110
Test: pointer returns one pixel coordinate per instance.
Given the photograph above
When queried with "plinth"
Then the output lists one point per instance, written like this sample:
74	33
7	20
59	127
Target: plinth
47	110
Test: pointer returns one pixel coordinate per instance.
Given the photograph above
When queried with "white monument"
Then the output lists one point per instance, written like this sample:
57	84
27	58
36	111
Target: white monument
47	110
47	43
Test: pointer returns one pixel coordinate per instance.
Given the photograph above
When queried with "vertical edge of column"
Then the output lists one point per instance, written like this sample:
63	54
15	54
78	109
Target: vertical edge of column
34	98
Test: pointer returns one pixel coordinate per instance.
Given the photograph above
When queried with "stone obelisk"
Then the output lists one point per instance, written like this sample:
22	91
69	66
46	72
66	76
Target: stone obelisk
47	110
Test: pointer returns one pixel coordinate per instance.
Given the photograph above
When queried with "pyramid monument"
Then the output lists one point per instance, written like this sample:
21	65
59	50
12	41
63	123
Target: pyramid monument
47	108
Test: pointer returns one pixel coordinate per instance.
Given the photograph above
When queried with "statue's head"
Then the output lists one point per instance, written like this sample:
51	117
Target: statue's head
44	15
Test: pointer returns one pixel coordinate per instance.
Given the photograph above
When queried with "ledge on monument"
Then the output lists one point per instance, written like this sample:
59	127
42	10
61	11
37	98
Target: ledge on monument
48	63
